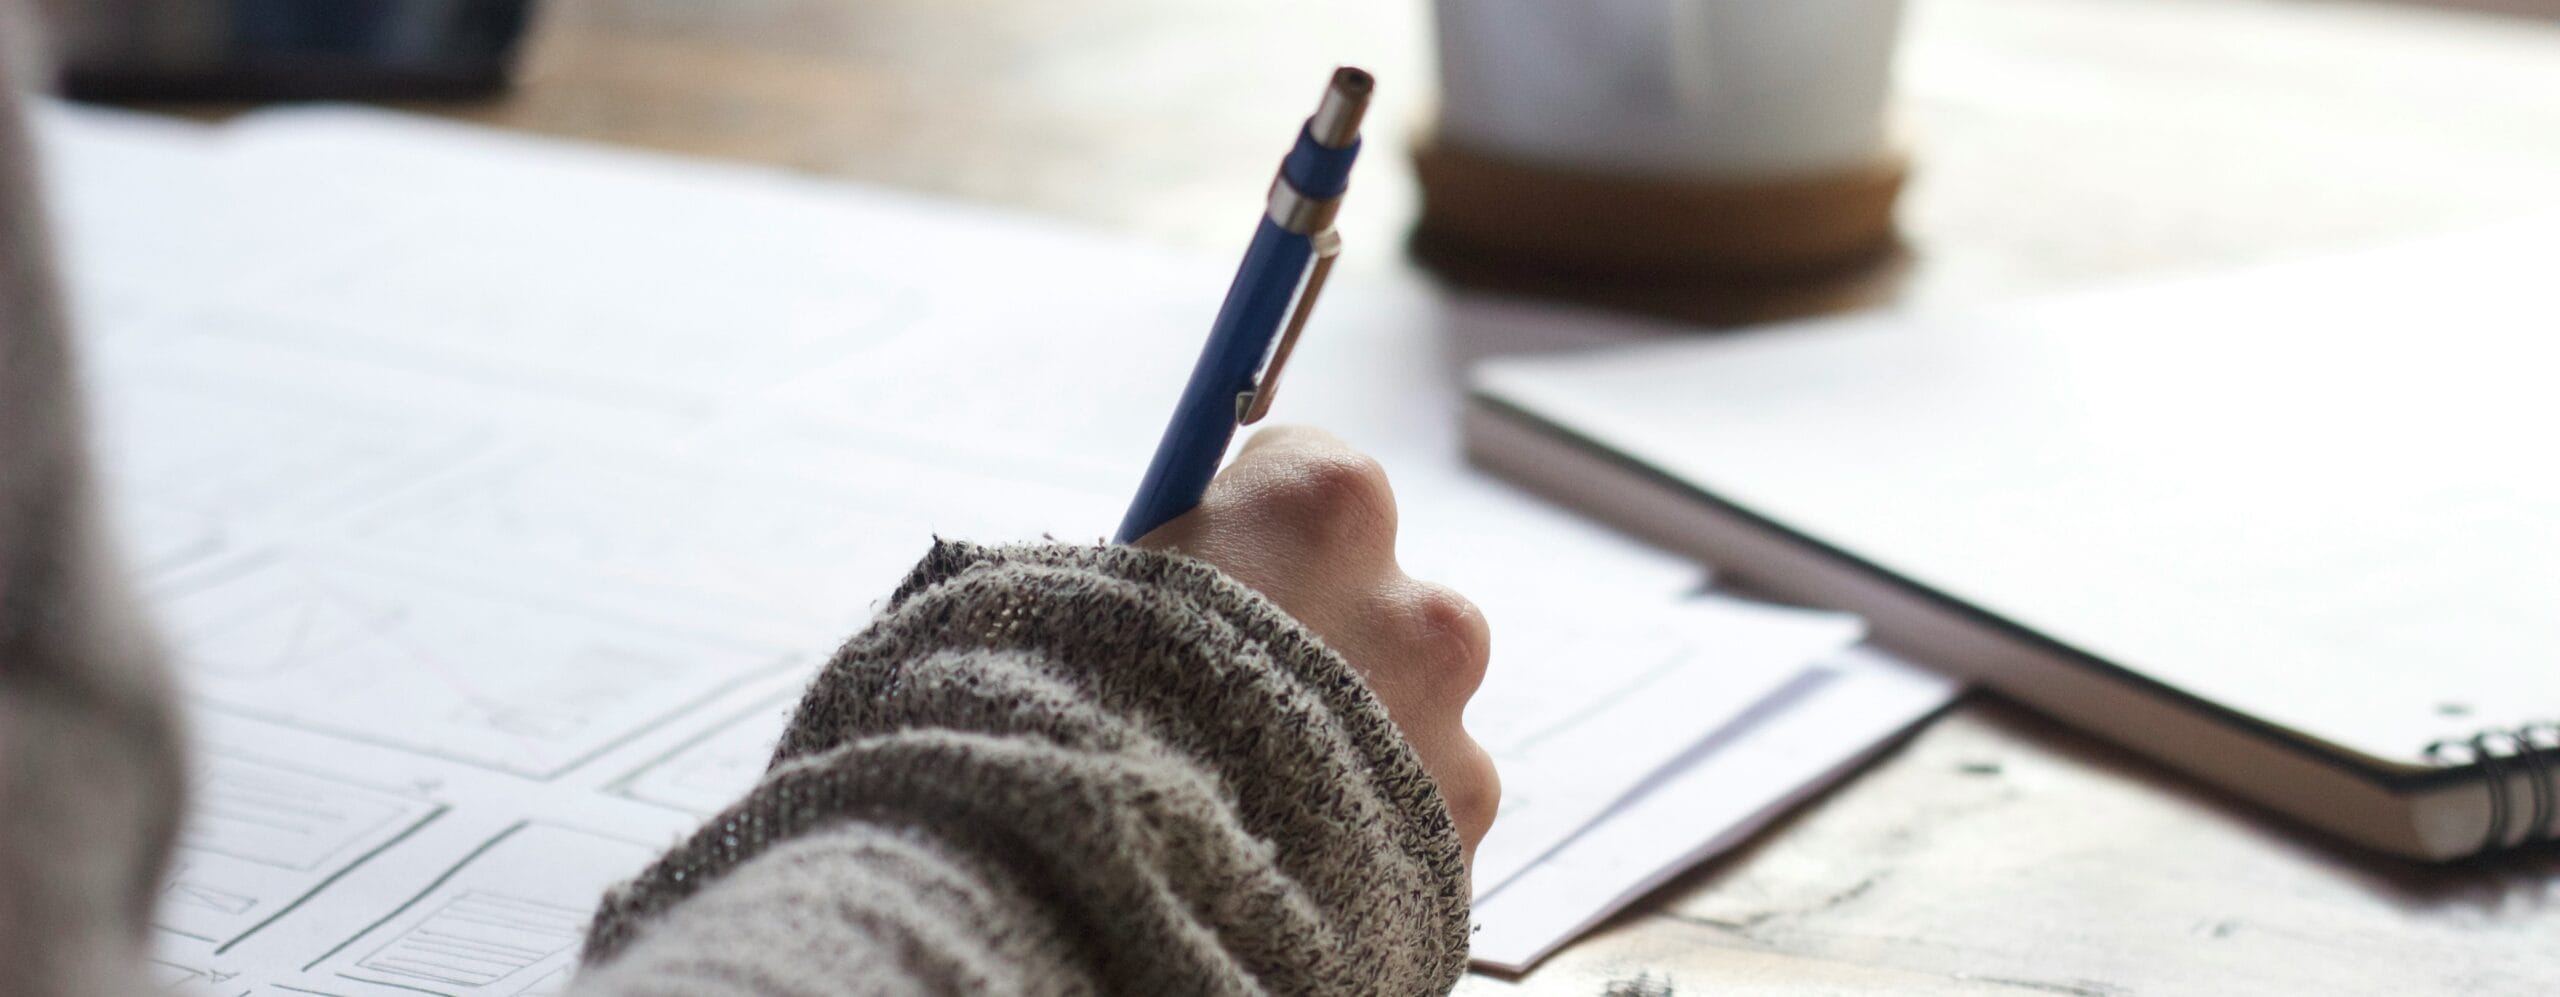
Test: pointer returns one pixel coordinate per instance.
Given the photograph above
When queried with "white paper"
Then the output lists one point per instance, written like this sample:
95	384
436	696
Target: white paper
496	497
1746	774
1579	713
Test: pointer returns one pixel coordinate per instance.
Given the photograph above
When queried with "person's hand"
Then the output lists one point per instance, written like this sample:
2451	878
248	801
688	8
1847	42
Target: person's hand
1310	523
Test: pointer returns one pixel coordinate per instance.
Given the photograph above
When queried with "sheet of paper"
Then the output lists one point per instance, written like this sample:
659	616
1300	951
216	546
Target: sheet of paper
1784	749
497	496
1579	712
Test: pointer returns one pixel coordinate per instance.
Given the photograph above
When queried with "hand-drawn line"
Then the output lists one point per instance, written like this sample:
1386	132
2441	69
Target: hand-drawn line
207	897
166	930
404	986
205	577
552	984
291	827
173	977
638	729
304	583
1673	660
325	882
478	938
440	880
624	785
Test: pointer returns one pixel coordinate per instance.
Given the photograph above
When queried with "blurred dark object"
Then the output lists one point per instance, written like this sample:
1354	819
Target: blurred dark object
285	49
1713	252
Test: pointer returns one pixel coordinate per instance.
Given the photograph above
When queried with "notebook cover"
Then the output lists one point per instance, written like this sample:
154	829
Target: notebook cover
2320	495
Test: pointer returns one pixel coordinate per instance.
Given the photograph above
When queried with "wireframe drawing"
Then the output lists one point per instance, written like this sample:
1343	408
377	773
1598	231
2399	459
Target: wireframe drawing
506	920
263	837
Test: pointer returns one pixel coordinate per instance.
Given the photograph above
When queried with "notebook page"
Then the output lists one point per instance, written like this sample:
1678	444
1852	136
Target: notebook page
1787	747
1591	708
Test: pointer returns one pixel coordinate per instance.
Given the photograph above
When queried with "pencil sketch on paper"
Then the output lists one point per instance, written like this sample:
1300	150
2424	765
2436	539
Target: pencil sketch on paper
170	977
475	939
716	767
200	442
517	685
506	920
261	837
797	553
529	302
157	538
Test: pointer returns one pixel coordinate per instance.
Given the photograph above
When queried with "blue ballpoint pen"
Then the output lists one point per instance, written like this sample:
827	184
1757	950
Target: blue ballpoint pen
1293	247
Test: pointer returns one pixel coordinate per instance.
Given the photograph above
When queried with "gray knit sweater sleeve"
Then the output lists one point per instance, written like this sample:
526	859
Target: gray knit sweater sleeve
1058	769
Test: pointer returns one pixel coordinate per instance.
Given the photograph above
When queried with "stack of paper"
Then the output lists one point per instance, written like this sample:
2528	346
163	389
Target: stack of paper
498	495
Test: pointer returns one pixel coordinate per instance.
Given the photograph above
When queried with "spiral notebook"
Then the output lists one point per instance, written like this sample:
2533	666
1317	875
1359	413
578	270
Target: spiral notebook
2294	530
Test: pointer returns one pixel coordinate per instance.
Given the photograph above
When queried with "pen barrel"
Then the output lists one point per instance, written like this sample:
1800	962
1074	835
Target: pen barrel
1204	422
1319	166
1319	172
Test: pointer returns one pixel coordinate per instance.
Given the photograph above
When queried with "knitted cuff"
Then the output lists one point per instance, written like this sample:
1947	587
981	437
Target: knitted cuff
1187	684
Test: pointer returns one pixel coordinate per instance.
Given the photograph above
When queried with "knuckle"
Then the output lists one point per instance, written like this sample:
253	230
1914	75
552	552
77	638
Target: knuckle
1340	494
1474	795
1451	634
1346	481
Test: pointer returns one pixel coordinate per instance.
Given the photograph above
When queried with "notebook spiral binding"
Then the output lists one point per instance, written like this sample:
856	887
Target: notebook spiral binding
2529	747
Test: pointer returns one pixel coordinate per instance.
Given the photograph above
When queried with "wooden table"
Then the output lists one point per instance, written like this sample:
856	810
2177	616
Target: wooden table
2059	143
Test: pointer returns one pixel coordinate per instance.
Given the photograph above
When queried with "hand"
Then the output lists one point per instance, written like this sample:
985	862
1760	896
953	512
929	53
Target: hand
1310	523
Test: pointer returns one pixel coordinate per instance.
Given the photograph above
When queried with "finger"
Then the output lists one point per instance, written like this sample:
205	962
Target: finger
1278	458
1288	434
1473	792
1236	489
1314	498
1470	786
1449	640
1318	542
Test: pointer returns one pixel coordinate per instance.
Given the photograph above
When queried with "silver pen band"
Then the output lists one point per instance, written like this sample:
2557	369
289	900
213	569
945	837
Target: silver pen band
1298	213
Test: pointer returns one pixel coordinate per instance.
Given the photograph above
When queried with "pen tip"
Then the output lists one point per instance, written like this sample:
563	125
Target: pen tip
1337	121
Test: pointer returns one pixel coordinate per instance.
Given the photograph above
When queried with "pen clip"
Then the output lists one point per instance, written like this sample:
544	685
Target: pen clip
1255	402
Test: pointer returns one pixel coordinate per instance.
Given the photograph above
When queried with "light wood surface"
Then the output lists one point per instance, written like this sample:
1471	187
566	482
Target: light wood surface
2056	143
